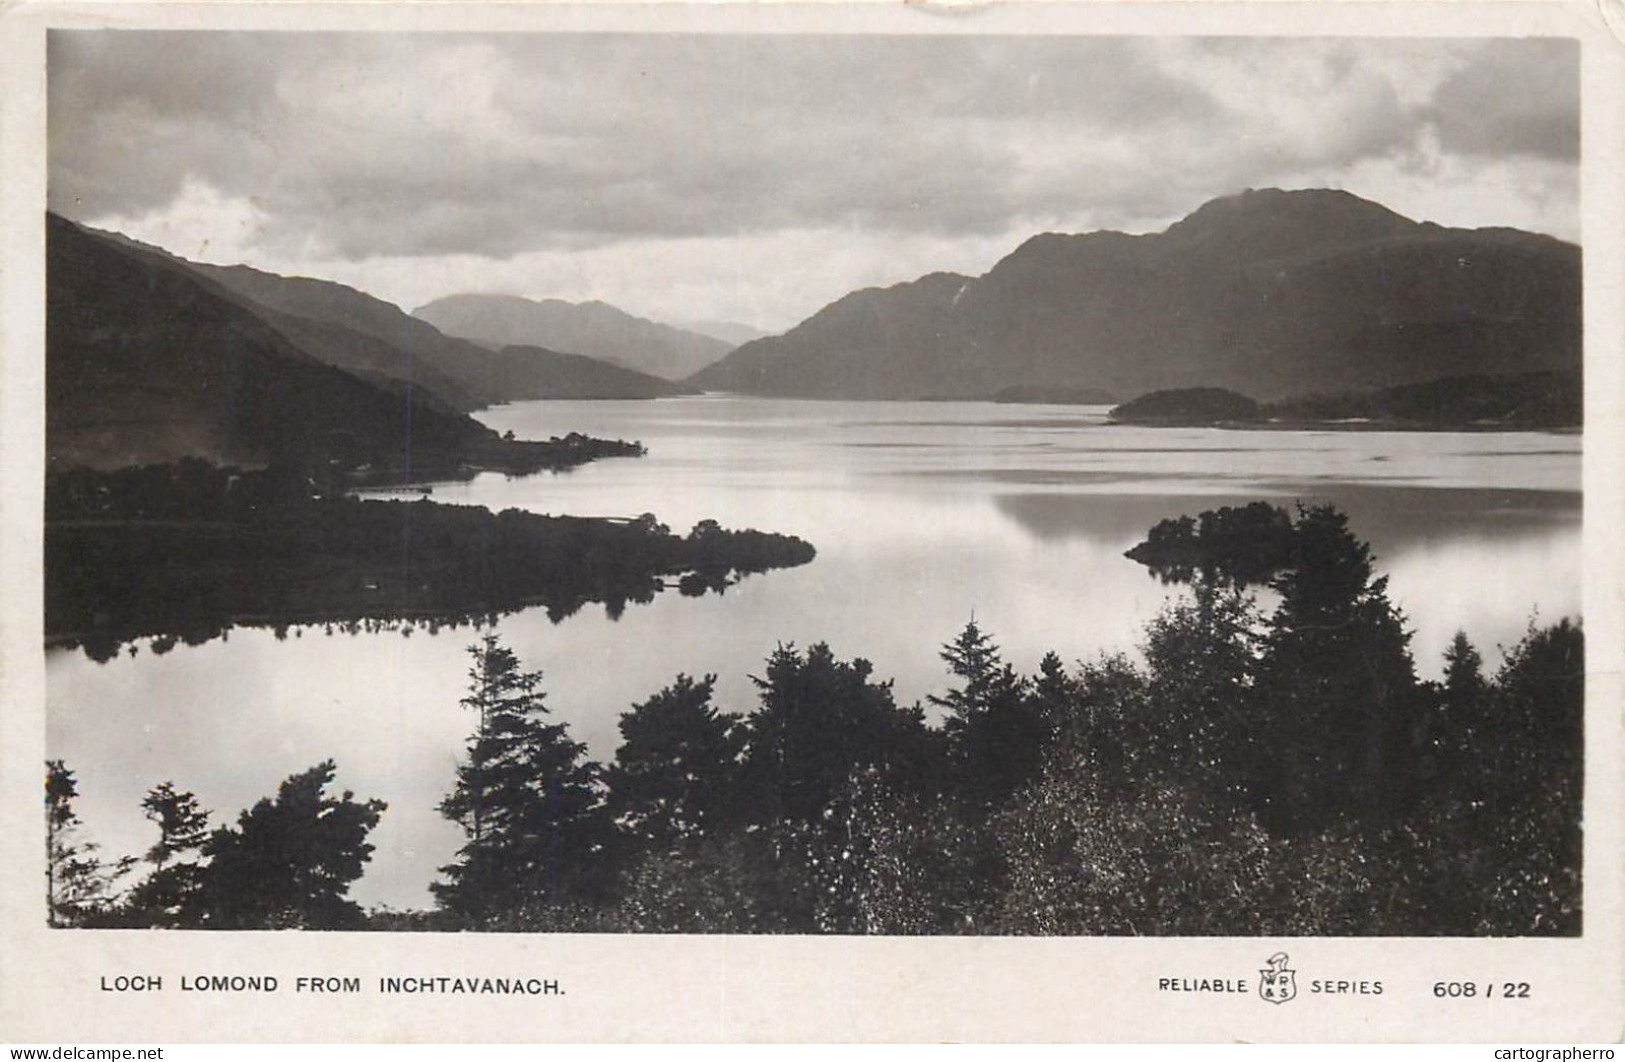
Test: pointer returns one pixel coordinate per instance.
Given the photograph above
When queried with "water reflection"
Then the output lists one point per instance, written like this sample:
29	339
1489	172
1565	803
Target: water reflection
921	515
1393	519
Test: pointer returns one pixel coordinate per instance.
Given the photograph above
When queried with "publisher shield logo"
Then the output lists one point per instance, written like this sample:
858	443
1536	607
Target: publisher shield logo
1277	983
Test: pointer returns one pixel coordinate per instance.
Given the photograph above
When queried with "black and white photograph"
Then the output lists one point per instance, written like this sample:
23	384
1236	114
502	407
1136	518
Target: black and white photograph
569	483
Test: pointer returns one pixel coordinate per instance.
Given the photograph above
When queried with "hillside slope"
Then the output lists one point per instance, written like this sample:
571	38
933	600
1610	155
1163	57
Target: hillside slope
366	335
148	361
578	376
1271	293
594	329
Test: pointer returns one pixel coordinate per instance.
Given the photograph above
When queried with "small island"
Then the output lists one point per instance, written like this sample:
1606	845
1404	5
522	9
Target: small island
1188	407
1535	401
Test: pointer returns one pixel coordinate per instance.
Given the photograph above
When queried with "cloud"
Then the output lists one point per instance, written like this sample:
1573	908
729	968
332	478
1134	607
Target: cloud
1513	98
370	149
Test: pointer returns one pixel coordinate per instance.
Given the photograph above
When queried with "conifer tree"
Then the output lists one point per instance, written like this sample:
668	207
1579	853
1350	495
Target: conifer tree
169	893
674	777
1459	723
995	732
1339	706
987	681
289	863
1054	695
1464	669
820	720
78	884
526	798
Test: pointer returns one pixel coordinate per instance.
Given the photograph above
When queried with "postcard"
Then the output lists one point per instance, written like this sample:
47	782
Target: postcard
831	521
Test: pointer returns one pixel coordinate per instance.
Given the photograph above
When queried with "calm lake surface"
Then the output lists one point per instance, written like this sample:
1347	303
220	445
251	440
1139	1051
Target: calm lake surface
922	514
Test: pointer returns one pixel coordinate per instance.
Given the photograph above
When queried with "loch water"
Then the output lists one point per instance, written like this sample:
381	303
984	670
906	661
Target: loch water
923	515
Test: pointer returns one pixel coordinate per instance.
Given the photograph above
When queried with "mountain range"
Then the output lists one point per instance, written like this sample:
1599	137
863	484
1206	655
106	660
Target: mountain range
1273	293
149	361
732	333
595	329
366	335
151	358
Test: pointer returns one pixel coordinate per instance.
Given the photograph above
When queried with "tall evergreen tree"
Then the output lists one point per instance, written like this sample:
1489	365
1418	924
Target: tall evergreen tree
1055	698
1339	706
527	799
1457	727
987	682
820	724
78	885
819	721
1464	669
1054	692
168	895
289	862
996	733
675	775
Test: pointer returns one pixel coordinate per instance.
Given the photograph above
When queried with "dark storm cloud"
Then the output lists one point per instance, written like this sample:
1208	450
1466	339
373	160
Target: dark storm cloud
403	145
130	113
351	146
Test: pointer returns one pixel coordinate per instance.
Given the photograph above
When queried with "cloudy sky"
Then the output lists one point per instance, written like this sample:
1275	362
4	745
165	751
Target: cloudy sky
756	178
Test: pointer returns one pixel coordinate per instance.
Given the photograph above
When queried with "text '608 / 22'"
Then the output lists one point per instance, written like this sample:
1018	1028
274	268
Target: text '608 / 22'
1484	990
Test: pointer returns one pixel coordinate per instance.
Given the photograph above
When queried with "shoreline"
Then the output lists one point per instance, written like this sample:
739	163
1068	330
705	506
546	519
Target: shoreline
1278	424
1354	426
189	552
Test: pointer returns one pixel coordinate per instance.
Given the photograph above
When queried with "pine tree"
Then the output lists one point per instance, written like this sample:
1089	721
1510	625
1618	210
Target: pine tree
289	862
995	732
1464	669
78	885
675	774
1461	707
526	798
819	721
988	682
1054	693
820	724
1339	707
169	893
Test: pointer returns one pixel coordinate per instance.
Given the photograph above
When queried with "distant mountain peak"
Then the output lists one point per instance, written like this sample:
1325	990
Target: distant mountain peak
733	333
1277	199
1267	291
593	328
1322	213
